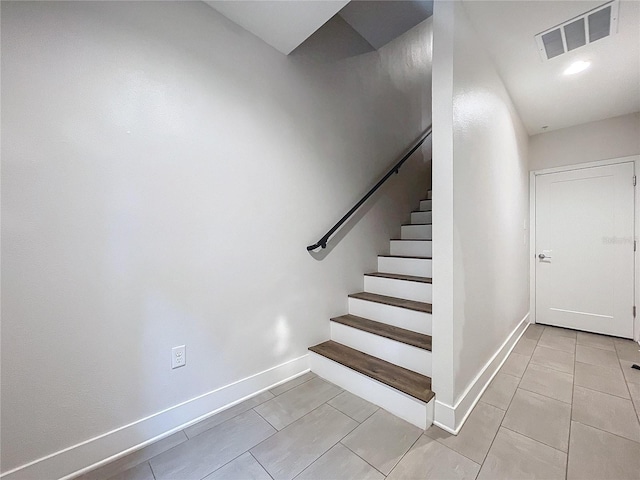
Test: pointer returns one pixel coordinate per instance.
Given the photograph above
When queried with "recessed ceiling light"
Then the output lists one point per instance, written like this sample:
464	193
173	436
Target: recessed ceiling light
577	67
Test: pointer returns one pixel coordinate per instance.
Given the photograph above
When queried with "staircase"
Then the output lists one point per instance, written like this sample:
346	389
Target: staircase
381	350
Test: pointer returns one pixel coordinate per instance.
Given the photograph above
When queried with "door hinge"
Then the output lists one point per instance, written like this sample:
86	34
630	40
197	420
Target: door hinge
635	244
634	180
634	311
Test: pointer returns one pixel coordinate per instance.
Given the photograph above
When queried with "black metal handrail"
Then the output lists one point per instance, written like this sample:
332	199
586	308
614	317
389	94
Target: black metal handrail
395	169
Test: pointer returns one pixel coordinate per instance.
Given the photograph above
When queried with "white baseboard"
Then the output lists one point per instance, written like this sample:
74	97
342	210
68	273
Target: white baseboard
95	452
452	417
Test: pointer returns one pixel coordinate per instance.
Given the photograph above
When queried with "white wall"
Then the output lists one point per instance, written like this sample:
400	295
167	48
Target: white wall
611	138
480	168
162	173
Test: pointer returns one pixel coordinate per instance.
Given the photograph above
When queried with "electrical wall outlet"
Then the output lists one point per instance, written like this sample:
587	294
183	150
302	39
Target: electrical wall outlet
178	356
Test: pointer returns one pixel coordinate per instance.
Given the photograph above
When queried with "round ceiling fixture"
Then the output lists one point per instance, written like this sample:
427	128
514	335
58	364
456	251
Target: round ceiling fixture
577	67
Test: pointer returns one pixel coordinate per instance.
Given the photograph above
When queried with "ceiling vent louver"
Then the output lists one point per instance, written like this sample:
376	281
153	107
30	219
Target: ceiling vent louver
579	31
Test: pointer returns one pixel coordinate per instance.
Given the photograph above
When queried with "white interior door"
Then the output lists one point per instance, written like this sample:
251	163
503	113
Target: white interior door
584	249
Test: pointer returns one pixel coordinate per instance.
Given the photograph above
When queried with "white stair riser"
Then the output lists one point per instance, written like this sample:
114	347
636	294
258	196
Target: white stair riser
415	232
399	404
400	317
418	291
398	353
411	248
418	267
425	205
420	217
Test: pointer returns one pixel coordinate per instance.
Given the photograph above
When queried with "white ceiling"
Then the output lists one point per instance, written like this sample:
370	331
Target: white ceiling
282	24
379	22
540	91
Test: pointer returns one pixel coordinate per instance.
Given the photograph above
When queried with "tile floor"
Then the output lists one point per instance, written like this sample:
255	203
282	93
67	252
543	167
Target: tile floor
565	404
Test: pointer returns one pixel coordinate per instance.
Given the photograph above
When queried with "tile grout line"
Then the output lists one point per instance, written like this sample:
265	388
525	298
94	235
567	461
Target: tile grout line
258	462
547	396
626	383
232	460
355	420
364	460
510	401
274	433
337	442
273	426
606	431
460	453
289	389
230	418
604	393
405	454
494	436
537	441
573	389
152	472
308	413
347	447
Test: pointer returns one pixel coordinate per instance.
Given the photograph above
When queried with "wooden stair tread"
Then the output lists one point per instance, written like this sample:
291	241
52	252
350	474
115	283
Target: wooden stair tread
406	256
415	339
393	301
395	276
406	381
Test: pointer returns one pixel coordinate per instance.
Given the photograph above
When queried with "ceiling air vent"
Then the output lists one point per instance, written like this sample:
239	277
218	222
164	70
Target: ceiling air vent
579	31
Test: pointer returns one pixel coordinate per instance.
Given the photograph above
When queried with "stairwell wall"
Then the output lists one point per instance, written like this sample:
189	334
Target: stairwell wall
480	217
162	173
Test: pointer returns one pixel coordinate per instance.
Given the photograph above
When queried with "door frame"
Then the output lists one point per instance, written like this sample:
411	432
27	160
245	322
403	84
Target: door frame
532	230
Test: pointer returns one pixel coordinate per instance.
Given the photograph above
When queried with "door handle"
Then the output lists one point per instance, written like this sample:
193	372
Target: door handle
542	256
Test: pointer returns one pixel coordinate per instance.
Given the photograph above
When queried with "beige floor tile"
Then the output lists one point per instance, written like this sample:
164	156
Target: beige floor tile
558	342
595	340
561	332
288	407
135	458
227	414
291	450
205	453
540	418
476	435
245	467
141	472
548	382
353	406
292	383
533	331
430	460
598	455
596	356
603	379
631	375
627	350
500	391
515	365
634	389
382	440
606	412
514	456
552	358
525	346
340	462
